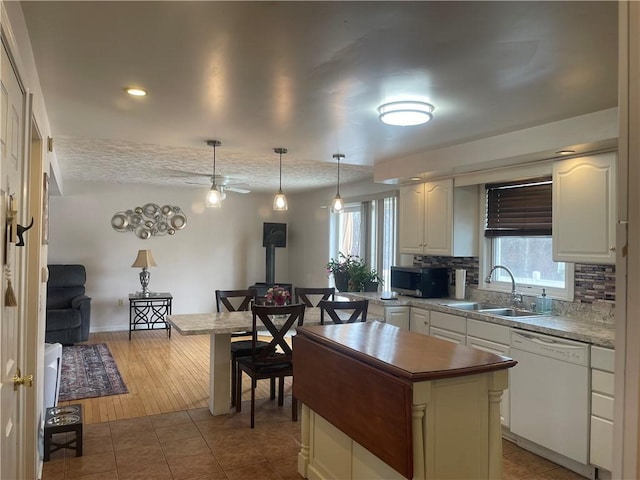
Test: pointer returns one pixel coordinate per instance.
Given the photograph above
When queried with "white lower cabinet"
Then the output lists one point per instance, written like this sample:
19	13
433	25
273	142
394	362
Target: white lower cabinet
492	338
448	327
602	381
419	320
397	315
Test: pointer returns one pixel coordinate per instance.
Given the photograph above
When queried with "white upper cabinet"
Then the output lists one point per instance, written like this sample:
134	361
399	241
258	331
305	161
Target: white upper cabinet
411	219
438	219
584	209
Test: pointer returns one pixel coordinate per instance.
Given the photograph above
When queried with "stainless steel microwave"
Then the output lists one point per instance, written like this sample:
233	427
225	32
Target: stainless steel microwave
423	282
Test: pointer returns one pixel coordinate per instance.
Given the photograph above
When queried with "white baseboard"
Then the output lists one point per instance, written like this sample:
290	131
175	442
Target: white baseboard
110	328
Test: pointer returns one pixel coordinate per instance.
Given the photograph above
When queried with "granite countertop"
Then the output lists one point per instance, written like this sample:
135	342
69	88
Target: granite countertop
588	330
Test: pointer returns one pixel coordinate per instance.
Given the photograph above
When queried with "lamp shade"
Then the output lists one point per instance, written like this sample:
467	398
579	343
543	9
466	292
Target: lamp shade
144	259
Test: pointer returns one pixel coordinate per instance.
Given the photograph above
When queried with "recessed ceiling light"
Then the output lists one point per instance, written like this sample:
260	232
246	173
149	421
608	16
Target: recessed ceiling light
565	152
415	179
405	113
136	92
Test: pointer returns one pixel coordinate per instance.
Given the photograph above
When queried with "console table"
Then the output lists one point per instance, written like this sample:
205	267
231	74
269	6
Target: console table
149	312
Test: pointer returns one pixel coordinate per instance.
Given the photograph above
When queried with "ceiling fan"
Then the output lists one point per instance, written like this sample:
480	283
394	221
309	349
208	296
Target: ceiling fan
223	183
219	183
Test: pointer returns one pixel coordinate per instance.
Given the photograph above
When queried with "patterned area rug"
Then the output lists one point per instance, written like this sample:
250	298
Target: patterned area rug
89	371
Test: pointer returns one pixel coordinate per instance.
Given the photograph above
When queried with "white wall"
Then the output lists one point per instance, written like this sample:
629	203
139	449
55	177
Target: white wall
218	249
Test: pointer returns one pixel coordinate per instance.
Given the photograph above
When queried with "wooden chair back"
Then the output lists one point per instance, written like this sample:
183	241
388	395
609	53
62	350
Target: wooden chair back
266	316
356	308
223	298
303	293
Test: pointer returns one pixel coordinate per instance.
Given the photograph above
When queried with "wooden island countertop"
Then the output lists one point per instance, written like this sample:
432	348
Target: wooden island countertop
369	379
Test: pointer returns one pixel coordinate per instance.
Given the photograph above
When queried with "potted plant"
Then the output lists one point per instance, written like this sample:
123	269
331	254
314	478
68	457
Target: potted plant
341	270
372	281
351	274
362	278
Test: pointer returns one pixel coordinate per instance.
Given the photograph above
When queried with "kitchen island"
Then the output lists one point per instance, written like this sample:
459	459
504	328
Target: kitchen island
380	402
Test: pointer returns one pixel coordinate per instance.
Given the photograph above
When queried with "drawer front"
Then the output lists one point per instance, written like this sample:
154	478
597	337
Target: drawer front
601	449
449	322
487	346
448	335
489	331
602	358
602	406
602	382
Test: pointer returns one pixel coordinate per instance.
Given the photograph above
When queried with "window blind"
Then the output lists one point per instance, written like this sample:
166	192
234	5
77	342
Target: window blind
521	209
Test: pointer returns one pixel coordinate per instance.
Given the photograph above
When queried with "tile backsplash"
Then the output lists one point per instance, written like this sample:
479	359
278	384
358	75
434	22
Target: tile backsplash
593	284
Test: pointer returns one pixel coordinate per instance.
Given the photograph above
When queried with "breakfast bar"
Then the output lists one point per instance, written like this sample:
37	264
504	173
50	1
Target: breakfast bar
220	326
383	403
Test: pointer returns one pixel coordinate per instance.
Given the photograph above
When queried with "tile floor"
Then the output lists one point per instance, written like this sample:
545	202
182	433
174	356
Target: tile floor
193	445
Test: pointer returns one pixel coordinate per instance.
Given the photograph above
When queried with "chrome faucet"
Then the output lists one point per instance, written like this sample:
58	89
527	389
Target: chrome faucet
516	298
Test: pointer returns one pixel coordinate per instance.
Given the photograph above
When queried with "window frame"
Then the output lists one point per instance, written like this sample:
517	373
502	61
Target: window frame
485	263
370	223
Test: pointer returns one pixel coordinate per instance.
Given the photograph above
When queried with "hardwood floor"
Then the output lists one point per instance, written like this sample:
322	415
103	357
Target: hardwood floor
162	374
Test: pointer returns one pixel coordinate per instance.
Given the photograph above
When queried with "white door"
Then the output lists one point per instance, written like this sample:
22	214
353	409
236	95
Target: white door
12	104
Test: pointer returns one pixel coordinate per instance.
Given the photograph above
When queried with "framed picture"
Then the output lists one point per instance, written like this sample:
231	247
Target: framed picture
45	208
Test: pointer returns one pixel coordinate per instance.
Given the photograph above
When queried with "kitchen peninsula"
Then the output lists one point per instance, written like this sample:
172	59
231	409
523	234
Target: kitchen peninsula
381	402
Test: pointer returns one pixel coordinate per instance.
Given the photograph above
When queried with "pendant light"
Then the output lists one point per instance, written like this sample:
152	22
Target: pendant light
280	201
338	205
214	197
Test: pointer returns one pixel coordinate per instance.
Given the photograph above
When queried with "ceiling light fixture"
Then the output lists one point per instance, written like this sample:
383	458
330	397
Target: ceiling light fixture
338	205
565	152
215	195
280	201
405	113
136	92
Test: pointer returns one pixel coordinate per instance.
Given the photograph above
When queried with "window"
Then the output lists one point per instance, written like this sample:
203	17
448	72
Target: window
518	232
368	229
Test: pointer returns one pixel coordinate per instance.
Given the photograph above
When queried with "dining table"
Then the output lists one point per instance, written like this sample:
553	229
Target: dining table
220	326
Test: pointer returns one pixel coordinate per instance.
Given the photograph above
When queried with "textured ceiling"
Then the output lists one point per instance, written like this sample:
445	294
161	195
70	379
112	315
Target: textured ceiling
307	76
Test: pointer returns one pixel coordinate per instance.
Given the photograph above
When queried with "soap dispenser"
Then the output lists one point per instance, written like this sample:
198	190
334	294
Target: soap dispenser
543	303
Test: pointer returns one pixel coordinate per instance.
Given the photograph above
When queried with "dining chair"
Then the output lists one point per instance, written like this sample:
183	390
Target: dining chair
273	361
357	309
237	301
303	293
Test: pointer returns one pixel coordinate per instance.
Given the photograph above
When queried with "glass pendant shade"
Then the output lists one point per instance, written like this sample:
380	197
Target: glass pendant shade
280	200
338	205
214	197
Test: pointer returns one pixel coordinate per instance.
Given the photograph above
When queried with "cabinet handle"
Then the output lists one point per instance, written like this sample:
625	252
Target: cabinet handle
612	249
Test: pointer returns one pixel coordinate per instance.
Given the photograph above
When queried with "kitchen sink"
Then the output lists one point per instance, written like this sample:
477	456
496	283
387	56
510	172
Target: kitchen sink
509	312
472	305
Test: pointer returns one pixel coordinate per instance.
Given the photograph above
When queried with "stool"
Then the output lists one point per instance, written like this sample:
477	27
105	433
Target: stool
60	420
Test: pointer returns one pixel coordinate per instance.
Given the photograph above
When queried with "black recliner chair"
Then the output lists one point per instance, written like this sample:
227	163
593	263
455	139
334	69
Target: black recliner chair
68	308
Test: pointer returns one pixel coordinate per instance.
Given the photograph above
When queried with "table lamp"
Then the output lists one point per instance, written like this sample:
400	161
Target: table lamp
144	260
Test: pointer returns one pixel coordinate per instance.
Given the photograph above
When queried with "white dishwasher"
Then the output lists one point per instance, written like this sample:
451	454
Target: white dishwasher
550	393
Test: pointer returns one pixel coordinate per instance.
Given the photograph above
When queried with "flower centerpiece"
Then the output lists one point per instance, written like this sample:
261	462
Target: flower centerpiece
277	295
